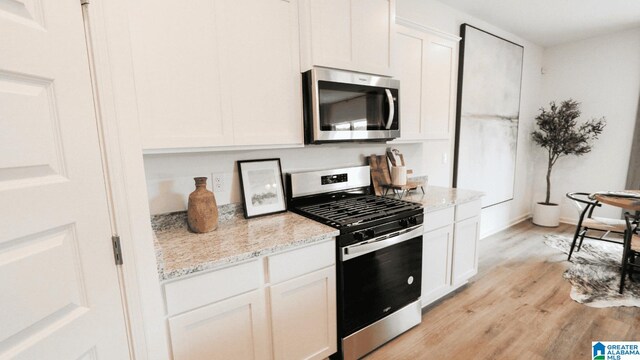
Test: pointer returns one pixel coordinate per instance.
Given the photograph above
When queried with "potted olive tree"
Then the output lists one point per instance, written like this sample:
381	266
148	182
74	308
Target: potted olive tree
560	134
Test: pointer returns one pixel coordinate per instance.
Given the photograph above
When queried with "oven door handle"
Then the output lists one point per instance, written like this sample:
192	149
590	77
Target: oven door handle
378	243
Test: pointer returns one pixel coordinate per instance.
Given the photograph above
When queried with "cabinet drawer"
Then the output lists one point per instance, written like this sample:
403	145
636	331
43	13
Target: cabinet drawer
468	210
437	219
298	262
183	295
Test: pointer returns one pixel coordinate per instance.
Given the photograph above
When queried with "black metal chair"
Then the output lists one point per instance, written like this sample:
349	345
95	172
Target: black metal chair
631	250
589	224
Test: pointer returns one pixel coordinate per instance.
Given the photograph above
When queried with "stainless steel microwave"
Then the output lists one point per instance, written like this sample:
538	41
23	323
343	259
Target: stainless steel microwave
347	106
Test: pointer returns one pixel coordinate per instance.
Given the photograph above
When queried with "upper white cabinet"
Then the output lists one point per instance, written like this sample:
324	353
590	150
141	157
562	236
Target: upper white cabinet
427	62
354	35
212	73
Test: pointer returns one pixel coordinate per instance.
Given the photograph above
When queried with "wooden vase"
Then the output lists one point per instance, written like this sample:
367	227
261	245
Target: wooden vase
202	211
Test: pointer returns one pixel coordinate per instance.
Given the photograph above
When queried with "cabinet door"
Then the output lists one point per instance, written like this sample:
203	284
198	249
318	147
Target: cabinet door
176	67
303	315
427	68
326	28
354	35
436	263
465	250
231	329
410	45
372	28
439	86
261	70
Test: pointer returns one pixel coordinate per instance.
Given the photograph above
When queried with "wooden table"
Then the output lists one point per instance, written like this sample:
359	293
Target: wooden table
621	202
627	204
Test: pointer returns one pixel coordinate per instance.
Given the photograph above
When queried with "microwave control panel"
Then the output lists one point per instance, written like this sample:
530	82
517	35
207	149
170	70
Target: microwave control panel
334	179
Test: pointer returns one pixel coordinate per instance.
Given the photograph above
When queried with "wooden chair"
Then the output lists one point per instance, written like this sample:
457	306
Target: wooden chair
591	227
631	249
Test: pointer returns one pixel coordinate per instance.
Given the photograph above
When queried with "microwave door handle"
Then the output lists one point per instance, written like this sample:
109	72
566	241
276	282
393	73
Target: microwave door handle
392	108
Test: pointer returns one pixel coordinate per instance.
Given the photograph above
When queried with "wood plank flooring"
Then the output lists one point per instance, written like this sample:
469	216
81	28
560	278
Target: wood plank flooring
517	307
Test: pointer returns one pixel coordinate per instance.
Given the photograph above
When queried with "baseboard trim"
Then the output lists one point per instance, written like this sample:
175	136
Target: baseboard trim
569	221
517	220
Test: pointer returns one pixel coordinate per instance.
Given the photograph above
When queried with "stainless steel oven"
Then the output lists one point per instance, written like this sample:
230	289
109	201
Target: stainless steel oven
380	282
379	252
347	106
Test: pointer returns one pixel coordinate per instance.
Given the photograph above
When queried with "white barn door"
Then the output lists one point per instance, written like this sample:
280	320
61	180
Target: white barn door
59	296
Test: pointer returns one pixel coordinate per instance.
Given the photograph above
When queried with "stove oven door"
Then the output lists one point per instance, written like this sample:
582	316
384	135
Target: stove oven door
379	277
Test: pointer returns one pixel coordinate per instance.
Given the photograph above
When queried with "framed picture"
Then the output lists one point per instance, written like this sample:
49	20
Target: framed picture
488	114
261	187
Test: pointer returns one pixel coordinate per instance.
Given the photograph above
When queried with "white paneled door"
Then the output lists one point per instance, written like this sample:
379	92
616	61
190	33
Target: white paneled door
59	296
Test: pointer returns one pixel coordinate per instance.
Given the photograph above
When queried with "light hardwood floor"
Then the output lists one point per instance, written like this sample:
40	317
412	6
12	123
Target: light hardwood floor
517	307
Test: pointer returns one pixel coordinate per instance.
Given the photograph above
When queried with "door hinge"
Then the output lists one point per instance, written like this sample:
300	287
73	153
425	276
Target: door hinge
117	250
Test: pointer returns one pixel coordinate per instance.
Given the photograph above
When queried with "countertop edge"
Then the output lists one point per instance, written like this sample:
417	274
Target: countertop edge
177	274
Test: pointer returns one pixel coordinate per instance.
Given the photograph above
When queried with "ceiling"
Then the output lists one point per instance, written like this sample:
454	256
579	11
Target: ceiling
552	22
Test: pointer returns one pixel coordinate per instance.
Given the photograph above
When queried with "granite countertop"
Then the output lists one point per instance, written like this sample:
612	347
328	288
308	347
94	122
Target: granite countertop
438	197
180	252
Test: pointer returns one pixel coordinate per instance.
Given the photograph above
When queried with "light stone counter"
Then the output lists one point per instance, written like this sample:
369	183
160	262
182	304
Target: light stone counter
438	197
180	252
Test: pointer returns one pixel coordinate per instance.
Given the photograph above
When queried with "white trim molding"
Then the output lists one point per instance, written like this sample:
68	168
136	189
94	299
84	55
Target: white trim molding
414	25
115	98
515	221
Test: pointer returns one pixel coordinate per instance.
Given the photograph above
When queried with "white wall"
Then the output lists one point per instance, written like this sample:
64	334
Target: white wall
602	73
442	17
170	176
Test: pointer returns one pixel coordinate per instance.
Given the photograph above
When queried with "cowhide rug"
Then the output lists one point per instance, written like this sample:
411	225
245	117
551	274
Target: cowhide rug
594	273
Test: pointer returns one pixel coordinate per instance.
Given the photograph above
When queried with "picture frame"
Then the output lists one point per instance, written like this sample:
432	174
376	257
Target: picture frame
261	187
487	114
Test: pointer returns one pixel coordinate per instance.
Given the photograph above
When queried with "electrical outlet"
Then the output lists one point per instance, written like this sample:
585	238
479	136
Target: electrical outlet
218	183
444	158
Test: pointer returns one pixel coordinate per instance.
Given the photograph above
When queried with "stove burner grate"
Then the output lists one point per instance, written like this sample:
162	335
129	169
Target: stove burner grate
357	210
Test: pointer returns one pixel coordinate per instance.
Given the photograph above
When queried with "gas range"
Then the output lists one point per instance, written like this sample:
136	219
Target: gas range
378	253
361	217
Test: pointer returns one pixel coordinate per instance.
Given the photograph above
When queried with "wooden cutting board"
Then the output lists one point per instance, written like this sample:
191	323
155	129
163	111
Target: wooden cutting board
380	175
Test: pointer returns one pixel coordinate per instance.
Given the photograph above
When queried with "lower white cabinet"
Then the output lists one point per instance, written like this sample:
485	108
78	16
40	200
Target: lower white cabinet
230	329
299	333
436	261
285	312
465	250
450	249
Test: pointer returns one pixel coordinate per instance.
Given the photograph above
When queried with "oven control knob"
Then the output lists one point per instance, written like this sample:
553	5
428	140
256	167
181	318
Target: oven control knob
413	220
404	223
370	233
358	236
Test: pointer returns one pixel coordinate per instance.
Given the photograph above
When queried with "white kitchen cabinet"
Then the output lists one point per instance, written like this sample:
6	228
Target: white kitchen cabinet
437	248
465	250
245	312
261	71
427	62
235	328
303	316
450	249
213	73
178	83
355	35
